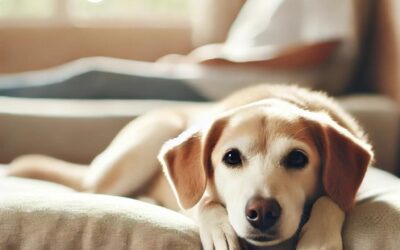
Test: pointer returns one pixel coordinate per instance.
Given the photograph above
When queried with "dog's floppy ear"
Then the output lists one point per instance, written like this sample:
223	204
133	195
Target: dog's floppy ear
186	161
345	159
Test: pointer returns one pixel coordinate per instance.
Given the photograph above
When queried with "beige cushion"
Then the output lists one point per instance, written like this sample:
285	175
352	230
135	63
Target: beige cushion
49	216
375	221
14	185
380	117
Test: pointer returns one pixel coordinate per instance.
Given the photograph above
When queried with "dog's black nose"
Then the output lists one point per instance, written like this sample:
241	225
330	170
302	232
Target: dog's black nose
262	213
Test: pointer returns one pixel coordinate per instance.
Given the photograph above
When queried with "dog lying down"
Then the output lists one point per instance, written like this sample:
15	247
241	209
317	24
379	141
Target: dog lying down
268	164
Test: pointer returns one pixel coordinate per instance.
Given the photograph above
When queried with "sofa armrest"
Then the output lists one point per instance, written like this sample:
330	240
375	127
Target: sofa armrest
380	117
73	130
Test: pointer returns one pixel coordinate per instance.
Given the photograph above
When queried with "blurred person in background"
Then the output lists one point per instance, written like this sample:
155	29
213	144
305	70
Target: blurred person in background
312	43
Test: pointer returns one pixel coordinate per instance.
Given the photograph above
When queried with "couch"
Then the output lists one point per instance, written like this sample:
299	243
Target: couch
40	215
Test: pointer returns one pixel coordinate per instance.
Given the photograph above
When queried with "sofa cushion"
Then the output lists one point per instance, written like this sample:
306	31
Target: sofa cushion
64	220
41	215
374	223
23	185
20	185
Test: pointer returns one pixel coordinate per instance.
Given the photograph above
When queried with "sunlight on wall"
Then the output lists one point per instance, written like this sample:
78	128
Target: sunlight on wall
26	8
127	8
92	9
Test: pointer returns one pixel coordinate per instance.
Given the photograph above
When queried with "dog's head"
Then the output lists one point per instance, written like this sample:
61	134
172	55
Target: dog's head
265	162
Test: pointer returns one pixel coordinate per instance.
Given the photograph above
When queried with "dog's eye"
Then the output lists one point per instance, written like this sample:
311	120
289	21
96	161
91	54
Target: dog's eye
295	159
232	158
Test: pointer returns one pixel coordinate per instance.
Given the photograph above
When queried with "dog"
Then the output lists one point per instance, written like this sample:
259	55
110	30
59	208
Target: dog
268	164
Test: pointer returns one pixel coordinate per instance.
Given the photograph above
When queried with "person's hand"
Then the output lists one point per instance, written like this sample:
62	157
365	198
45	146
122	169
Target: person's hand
174	59
199	55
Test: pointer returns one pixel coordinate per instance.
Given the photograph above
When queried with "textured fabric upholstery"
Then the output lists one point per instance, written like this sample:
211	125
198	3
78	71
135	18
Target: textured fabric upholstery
375	221
40	215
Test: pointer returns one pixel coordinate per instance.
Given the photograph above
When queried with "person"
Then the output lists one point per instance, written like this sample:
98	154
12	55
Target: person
239	43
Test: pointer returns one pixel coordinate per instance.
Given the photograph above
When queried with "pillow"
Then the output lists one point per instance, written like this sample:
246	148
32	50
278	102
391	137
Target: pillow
63	219
264	28
374	222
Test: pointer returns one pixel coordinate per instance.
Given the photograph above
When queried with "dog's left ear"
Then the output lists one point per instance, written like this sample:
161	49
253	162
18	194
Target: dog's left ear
345	160
186	161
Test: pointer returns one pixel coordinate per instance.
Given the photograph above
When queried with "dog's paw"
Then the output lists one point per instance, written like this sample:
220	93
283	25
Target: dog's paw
215	230
314	239
323	229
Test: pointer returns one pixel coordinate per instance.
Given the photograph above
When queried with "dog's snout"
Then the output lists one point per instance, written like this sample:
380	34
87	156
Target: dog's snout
262	213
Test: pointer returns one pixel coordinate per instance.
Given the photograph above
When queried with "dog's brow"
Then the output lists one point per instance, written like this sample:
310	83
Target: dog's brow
299	131
261	139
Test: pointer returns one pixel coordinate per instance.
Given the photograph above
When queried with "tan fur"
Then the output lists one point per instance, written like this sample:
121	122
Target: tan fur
50	169
353	154
183	161
184	171
265	122
309	100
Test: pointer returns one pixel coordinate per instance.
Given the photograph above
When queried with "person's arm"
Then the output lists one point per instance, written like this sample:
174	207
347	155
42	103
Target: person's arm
296	56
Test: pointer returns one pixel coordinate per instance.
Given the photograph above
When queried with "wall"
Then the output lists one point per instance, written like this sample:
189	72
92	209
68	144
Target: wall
31	48
384	64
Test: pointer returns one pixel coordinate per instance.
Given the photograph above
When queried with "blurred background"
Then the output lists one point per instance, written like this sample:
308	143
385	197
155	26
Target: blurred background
66	64
43	33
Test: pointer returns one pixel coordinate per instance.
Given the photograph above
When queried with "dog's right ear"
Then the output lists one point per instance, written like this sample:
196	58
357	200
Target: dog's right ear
186	161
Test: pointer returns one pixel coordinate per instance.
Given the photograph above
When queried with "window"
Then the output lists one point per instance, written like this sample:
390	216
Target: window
127	8
17	9
92	10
